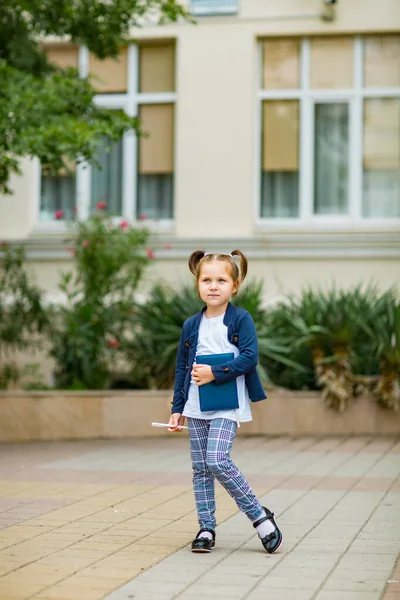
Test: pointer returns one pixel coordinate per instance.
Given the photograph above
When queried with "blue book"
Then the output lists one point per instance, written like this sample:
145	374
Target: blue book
217	397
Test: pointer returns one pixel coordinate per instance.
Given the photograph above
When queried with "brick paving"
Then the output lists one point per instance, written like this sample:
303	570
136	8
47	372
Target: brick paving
113	520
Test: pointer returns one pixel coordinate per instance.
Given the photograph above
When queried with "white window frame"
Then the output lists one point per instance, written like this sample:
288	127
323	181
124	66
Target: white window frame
307	98
130	102
209	8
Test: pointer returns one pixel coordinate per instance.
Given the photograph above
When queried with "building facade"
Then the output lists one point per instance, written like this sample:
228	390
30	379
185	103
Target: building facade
274	127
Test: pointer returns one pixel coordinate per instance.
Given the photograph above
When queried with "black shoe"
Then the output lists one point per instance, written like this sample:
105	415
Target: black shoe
203	544
272	541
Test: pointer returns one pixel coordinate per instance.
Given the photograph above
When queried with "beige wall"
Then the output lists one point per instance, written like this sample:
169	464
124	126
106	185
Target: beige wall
216	152
18	211
281	276
215	132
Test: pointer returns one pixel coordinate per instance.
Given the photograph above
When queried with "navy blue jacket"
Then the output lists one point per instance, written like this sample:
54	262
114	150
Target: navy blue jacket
241	333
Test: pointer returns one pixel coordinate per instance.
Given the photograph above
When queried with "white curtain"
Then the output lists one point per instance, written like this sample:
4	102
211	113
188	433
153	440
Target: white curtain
57	193
279	194
107	181
331	143
381	193
155	195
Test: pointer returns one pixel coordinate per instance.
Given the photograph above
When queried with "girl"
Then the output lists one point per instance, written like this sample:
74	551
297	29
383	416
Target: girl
219	328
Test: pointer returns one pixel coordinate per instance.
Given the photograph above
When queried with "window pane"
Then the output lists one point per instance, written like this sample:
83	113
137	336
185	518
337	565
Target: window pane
57	194
155	195
157	69
280	159
156	161
156	150
331	63
382	61
63	55
107	181
331	159
381	158
280	64
110	75
214	7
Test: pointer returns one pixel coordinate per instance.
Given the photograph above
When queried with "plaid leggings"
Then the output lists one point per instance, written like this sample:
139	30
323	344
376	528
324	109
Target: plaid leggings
210	445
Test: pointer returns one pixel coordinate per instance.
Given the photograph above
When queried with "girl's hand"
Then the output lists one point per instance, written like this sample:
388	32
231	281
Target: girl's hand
202	374
176	419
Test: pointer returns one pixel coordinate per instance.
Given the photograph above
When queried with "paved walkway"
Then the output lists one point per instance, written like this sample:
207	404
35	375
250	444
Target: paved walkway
113	519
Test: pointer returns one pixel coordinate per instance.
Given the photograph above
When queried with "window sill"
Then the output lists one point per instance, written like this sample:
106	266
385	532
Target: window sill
52	228
327	225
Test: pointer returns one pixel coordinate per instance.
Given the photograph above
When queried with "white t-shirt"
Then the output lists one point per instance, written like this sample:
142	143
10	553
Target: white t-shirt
213	339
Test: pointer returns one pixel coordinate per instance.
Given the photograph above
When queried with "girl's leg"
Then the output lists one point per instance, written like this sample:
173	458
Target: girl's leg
220	439
203	479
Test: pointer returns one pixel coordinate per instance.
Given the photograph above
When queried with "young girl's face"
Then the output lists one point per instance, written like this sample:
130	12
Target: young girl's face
215	284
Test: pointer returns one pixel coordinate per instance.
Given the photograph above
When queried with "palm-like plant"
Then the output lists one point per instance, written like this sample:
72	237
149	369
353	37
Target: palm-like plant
381	329
323	324
152	342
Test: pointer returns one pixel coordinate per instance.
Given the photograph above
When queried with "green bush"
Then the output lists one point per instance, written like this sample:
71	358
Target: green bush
23	318
109	262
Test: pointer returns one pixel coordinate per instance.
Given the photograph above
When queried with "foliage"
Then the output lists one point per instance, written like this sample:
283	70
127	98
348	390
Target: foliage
381	329
32	379
157	325
47	111
109	262
340	335
23	317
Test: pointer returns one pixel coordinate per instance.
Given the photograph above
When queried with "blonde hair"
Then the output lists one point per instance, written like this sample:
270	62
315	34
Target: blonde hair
199	258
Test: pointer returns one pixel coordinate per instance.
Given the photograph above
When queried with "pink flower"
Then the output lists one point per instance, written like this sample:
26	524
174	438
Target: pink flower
168	246
75	209
149	253
124	224
59	214
142	217
85	243
113	343
101	205
72	250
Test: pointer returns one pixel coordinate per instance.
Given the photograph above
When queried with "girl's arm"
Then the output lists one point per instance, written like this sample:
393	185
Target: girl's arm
248	353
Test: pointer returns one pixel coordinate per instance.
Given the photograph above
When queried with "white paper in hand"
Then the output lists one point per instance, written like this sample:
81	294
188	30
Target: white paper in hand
167	425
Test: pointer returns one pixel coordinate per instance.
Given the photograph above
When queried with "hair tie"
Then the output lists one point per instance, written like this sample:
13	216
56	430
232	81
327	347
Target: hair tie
210	253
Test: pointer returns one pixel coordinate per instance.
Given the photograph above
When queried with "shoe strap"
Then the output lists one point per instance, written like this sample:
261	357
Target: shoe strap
208	530
267	517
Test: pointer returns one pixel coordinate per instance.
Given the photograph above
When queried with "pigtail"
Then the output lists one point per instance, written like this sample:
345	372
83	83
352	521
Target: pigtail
243	263
194	260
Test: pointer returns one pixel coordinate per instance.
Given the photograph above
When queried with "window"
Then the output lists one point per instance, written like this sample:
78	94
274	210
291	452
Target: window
280	169
58	193
155	179
156	153
57	199
136	175
214	7
330	128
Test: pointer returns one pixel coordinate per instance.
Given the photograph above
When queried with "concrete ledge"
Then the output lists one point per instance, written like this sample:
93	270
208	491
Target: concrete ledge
40	416
43	416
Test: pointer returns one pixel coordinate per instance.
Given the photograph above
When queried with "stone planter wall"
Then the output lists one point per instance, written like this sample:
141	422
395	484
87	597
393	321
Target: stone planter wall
40	416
